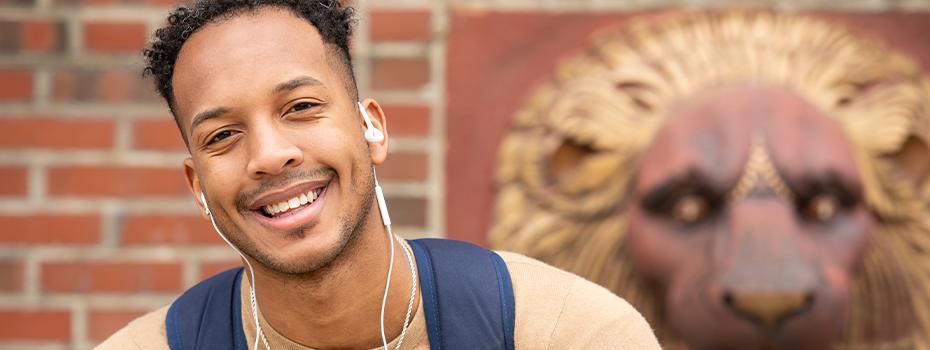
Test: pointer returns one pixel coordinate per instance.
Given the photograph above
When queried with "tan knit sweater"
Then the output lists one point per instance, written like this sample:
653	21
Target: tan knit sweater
554	310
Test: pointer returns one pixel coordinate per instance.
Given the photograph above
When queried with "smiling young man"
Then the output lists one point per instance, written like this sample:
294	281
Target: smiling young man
264	95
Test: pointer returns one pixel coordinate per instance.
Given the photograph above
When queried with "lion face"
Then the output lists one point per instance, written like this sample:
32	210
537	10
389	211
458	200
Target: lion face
747	211
746	180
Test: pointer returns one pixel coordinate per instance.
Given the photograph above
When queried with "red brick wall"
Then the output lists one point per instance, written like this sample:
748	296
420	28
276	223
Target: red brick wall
96	226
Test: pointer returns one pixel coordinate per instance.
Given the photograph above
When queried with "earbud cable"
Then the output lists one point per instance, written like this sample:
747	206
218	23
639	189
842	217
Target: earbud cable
259	334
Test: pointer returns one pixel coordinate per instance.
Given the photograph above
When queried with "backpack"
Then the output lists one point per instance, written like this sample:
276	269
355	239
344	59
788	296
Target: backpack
466	293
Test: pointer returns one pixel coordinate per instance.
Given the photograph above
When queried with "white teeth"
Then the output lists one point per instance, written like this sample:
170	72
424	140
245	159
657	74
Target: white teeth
293	203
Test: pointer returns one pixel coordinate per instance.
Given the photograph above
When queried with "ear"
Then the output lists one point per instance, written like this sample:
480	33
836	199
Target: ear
913	162
378	150
567	158
193	184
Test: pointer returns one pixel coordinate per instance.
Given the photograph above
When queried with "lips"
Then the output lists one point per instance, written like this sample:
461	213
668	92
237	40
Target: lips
293	207
296	202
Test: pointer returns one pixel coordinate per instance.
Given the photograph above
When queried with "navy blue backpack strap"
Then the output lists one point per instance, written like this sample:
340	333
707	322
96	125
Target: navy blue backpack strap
467	295
208	316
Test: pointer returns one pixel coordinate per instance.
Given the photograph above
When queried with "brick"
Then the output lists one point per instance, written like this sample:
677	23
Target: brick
410	212
101	86
168	230
35	325
165	3
11	276
103	323
85	2
47	229
13	181
111	277
407	120
404	167
115	37
43	37
18	3
400	73
212	268
32	36
116	182
16	86
400	26
116	86
73	3
49	133
9	36
161	134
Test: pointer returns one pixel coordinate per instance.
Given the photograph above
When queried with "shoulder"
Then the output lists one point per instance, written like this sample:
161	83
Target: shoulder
145	332
558	309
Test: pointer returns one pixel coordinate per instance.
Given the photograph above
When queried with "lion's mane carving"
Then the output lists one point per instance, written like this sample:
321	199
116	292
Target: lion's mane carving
610	101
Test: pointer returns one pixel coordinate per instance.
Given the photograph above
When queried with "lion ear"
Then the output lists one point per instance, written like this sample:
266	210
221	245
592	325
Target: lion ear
567	158
912	162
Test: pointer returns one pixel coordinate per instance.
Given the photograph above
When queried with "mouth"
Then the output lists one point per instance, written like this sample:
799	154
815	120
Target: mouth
291	205
292	208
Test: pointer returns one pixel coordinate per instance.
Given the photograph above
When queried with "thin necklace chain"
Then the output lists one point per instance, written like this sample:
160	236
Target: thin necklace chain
413	293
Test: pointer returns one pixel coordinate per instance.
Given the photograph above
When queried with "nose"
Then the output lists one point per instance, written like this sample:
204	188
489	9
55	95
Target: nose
272	152
768	309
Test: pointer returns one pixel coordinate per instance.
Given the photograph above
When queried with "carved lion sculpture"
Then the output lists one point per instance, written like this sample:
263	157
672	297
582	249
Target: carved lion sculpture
747	180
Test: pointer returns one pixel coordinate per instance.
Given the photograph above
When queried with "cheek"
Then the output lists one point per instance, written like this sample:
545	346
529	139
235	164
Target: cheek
215	175
846	241
657	250
329	144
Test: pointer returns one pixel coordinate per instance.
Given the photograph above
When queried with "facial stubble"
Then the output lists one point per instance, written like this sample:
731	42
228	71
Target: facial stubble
350	225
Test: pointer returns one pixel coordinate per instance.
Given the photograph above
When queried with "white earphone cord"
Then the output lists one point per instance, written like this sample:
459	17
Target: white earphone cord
259	334
386	219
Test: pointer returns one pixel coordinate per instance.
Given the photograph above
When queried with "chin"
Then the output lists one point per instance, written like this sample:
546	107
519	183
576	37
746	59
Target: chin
306	251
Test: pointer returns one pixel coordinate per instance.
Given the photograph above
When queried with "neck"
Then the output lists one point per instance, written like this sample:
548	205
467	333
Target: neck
339	305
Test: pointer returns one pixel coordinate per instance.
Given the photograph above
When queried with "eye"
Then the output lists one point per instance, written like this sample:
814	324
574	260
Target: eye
220	136
688	201
690	209
821	208
301	106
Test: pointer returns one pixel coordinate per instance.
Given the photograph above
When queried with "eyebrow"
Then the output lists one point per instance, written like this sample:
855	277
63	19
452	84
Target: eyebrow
691	179
829	180
297	82
207	115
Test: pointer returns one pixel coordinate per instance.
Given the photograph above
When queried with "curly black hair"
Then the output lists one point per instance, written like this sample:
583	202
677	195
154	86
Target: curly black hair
333	20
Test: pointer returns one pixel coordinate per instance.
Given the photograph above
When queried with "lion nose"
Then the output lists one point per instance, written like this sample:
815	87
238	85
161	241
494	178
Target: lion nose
768	309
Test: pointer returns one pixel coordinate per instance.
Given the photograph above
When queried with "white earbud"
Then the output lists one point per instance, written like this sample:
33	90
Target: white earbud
206	207
371	134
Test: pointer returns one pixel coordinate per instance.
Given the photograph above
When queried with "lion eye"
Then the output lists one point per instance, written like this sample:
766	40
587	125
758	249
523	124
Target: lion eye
690	209
822	208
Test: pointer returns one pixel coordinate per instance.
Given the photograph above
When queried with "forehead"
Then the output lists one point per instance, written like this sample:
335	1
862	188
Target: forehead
712	134
236	58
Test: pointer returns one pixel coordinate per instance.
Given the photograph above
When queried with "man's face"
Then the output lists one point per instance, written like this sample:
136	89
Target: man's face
264	104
